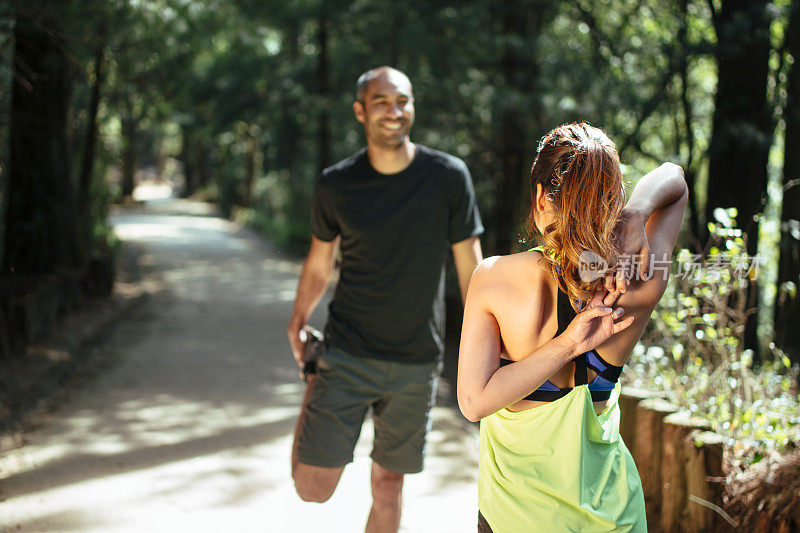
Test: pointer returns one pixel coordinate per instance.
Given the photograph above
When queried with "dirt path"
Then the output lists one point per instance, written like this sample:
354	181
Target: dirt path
187	425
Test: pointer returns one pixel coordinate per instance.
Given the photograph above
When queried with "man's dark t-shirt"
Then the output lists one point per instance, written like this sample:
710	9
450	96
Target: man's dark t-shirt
396	231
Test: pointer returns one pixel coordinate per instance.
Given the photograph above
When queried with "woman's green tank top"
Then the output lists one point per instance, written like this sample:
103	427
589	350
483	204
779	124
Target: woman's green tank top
559	467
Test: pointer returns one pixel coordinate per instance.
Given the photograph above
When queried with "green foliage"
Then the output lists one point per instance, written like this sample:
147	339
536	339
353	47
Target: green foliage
234	78
693	348
272	215
102	236
213	66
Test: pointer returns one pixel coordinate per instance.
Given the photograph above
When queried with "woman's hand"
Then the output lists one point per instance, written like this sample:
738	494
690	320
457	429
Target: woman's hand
594	325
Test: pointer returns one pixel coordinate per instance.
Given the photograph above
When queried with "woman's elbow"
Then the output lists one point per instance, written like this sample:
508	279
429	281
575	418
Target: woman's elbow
679	176
674	175
673	168
472	416
468	408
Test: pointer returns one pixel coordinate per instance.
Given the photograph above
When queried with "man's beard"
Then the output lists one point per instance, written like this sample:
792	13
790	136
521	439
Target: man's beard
385	139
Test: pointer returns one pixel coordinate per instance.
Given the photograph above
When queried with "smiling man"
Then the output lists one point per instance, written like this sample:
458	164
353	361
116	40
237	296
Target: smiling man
394	208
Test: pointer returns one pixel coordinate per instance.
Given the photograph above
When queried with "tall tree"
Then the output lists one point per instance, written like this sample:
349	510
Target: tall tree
41	228
788	306
6	83
521	113
647	84
742	125
90	147
690	167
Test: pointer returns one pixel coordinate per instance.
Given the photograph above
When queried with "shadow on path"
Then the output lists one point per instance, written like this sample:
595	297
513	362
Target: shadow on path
188	422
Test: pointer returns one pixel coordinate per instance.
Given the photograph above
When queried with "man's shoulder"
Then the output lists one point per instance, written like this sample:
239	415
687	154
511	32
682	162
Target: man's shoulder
441	159
344	167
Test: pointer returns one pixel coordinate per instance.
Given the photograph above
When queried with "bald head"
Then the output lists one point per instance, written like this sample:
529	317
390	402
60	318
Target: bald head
379	72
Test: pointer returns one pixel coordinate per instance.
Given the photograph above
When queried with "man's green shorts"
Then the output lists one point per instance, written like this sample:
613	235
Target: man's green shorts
346	386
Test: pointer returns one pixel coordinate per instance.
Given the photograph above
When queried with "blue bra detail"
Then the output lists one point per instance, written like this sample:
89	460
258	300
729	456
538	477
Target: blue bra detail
594	360
600	387
547	385
607	374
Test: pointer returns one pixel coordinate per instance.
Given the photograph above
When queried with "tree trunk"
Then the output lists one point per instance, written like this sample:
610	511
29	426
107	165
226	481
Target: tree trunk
203	161
187	158
742	125
322	78
251	163
128	155
788	309
689	171
511	132
519	64
87	165
41	227
289	136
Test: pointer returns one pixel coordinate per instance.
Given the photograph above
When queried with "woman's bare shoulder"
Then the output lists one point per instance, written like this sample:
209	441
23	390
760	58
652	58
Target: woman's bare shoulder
515	290
512	274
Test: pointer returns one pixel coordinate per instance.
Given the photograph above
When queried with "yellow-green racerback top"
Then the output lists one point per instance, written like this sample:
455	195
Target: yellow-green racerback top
559	467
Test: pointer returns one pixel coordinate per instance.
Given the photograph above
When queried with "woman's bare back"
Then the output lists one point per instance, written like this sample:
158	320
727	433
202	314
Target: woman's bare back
525	309
510	311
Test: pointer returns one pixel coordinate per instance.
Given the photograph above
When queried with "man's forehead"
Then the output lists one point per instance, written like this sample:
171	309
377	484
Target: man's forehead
390	82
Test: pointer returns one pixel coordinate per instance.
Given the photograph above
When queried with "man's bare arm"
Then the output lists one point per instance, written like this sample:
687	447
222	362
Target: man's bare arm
314	279
467	254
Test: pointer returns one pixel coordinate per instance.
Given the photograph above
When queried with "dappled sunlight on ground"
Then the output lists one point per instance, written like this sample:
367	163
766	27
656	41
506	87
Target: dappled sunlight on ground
191	232
188	424
153	190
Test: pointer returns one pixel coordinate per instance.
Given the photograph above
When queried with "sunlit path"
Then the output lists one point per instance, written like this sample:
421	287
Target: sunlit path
188	426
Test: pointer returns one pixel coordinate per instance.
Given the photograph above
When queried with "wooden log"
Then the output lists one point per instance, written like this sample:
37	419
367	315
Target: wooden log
650	417
677	427
628	400
704	482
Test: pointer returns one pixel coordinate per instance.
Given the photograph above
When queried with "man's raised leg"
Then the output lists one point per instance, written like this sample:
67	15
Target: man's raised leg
387	500
312	483
315	483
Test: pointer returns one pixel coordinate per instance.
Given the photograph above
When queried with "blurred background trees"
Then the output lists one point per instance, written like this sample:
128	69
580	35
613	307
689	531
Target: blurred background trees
243	102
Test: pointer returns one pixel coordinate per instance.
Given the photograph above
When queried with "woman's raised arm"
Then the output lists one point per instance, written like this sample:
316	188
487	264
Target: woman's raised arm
661	191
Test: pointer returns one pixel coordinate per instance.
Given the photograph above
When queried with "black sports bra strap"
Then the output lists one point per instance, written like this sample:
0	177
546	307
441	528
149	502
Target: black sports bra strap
564	312
565	315
581	377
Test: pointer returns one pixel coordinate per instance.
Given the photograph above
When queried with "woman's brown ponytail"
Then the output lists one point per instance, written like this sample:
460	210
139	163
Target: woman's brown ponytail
579	169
